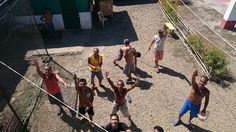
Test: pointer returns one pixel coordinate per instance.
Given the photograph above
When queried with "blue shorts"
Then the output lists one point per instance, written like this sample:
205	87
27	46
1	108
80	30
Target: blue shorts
194	108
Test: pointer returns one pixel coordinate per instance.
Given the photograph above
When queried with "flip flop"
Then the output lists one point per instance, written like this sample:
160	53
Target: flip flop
190	127
177	122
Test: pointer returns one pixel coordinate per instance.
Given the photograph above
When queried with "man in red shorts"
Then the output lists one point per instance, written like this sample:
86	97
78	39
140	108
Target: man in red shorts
159	42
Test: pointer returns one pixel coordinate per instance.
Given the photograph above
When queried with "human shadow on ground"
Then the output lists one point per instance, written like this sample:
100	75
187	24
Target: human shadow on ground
196	128
120	67
108	94
166	70
133	2
142	74
144	85
74	122
117	28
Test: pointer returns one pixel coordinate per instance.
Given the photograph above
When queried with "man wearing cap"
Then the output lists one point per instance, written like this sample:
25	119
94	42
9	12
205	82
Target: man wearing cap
159	42
129	54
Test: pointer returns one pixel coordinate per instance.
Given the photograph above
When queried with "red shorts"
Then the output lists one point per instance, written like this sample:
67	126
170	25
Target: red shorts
159	55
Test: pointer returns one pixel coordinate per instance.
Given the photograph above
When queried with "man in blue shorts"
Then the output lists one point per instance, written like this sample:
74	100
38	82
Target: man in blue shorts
194	99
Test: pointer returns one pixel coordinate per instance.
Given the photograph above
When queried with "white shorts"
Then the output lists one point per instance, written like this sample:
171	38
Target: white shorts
123	109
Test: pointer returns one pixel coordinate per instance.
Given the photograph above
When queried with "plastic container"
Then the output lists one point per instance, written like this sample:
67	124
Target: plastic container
129	99
203	117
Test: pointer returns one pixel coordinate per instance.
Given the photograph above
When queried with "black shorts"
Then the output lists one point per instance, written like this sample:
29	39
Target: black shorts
82	110
54	101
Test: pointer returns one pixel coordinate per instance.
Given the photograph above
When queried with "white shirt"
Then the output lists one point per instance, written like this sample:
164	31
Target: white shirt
159	43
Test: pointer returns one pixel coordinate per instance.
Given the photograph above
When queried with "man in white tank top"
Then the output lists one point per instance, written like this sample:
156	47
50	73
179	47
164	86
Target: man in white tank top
159	42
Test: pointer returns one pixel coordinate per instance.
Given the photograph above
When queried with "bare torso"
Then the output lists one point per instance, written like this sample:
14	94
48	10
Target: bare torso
120	95
129	54
86	97
196	96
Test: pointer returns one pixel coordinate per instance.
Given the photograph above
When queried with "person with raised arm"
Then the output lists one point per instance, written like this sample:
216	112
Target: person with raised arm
51	80
194	99
120	94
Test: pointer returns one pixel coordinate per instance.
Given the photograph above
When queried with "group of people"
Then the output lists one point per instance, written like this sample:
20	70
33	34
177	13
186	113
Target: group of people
95	61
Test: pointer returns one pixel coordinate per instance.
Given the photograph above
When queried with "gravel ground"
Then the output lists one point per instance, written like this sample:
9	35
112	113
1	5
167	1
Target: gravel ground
158	97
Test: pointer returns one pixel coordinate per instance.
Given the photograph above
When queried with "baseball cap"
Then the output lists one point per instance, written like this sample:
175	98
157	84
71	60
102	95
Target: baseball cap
126	41
160	30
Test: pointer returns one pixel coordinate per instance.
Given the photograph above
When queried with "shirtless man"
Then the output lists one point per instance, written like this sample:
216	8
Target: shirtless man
194	99
129	54
47	18
120	94
86	97
51	80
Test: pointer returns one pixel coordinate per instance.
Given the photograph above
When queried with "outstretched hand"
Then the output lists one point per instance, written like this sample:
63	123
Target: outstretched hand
195	73
75	76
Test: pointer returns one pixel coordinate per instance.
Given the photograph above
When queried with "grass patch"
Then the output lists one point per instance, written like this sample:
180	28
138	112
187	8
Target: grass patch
170	10
214	59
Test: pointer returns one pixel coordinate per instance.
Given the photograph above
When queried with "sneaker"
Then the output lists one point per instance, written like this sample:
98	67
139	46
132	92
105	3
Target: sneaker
190	127
130	123
128	81
177	122
59	111
92	125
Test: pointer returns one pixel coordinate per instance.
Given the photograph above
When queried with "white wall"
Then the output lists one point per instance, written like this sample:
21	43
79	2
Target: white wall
85	20
57	21
230	14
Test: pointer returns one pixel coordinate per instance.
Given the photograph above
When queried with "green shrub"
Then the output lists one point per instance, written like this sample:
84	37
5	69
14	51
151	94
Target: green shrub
216	63
198	44
170	10
214	59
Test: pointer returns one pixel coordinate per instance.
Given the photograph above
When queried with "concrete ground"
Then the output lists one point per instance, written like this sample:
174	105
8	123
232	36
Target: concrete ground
158	97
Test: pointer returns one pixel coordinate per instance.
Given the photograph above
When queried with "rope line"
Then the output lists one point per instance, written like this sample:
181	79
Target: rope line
205	71
201	67
208	26
234	58
202	34
3	16
51	95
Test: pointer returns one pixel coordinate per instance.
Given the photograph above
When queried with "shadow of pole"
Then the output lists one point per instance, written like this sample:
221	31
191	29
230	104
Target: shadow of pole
166	70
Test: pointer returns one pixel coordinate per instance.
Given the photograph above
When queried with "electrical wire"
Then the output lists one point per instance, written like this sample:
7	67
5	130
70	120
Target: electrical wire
51	95
208	26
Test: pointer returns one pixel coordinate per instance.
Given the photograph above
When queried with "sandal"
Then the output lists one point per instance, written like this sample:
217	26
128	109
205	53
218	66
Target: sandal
190	126
177	122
